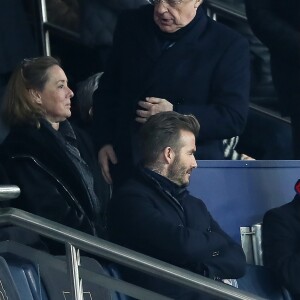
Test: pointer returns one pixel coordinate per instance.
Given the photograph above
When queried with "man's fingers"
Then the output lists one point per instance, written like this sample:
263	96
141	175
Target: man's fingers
105	156
106	176
146	105
141	120
105	169
142	113
153	100
112	157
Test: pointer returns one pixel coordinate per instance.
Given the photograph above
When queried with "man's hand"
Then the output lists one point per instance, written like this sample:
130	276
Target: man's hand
151	107
106	155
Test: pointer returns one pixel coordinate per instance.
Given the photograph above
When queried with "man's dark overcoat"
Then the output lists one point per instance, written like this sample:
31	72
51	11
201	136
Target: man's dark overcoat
175	227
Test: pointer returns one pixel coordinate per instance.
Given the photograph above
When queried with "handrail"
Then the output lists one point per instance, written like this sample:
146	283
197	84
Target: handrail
270	113
48	26
62	31
116	253
8	192
227	9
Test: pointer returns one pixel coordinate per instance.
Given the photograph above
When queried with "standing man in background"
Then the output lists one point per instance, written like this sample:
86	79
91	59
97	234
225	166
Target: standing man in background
170	56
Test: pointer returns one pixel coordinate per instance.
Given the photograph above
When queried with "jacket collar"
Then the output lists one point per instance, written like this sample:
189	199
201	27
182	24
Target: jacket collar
162	62
174	189
159	186
146	35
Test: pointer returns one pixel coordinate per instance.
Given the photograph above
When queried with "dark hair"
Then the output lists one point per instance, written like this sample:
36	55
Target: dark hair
163	130
84	97
30	74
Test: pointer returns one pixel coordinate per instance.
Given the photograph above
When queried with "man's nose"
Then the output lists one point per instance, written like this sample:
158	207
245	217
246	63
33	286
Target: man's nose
161	7
194	164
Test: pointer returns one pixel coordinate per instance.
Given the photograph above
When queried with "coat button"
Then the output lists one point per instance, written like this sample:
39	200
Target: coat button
216	253
209	229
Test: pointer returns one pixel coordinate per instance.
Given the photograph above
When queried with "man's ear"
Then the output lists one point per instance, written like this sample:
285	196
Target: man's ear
198	3
169	155
35	95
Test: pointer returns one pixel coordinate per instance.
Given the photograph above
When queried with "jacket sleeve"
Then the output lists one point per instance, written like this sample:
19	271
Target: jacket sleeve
230	261
229	100
273	30
281	248
136	222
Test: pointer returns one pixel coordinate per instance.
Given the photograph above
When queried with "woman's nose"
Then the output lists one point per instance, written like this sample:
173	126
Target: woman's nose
71	93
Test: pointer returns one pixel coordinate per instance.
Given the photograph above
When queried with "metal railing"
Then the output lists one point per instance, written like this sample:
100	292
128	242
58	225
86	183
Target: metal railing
46	27
251	238
233	10
8	192
102	248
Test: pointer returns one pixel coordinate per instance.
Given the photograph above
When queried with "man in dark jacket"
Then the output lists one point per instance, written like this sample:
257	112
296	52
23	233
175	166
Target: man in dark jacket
170	56
281	243
153	213
277	24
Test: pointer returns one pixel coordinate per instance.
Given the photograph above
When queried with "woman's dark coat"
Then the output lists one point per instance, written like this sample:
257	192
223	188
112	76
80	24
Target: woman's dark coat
51	186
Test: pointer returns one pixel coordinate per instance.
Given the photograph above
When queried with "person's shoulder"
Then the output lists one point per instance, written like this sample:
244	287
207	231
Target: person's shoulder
138	184
281	212
224	32
20	134
23	139
133	184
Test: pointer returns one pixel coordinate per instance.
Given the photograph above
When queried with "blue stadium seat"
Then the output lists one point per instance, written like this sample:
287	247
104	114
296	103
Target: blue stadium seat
8	288
37	275
113	271
25	278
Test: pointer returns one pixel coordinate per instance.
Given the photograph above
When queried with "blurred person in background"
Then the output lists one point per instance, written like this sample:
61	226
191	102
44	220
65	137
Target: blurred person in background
277	25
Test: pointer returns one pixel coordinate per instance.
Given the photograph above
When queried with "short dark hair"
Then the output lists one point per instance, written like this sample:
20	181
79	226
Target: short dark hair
31	73
163	130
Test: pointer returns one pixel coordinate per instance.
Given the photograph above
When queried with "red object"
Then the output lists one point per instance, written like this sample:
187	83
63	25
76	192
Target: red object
297	186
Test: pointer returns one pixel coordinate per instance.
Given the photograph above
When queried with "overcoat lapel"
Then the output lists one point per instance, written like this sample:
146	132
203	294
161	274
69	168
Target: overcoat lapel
163	61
